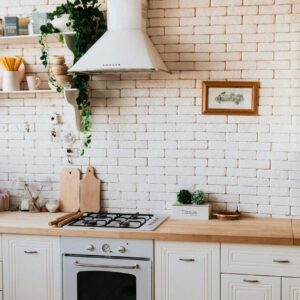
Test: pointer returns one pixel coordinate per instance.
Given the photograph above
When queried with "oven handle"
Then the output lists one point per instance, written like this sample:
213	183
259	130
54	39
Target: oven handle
78	264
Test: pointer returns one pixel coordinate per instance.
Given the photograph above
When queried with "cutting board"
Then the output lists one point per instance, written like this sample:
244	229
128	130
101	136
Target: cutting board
90	192
69	190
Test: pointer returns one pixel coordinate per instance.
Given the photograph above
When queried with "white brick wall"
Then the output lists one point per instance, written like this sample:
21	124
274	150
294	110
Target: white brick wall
149	137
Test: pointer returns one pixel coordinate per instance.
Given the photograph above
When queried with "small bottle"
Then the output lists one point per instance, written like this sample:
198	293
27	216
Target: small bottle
31	27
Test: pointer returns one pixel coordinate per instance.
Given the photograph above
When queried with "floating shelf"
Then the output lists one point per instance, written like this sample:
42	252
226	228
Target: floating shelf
29	92
30	39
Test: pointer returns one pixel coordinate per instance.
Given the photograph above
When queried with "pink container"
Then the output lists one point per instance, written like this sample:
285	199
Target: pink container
4	200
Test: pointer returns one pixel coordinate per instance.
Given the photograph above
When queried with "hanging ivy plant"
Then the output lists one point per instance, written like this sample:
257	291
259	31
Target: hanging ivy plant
88	22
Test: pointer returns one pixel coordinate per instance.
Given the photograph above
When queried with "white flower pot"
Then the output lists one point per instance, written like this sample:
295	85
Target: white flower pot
191	211
61	23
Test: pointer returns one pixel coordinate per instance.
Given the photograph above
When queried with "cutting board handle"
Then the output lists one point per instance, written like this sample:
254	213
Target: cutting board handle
90	171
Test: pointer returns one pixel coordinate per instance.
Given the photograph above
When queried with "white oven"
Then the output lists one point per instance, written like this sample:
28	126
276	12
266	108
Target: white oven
101	269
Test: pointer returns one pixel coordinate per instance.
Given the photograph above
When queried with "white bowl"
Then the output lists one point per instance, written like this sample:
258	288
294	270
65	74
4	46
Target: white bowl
52	207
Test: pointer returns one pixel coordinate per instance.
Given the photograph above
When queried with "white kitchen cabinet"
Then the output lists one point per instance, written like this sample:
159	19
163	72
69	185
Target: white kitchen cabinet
246	287
290	288
189	271
270	260
31	267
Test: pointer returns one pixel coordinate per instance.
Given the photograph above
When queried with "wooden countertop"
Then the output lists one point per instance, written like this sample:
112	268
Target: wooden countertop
296	231
246	230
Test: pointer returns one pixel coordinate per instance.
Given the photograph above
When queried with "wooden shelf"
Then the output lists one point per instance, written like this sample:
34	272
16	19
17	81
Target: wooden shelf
28	92
30	39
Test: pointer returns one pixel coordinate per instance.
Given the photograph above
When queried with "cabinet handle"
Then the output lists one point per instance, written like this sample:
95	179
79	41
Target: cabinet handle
31	252
279	261
187	259
251	280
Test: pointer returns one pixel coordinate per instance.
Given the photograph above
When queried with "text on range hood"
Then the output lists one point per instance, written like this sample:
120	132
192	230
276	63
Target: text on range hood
125	46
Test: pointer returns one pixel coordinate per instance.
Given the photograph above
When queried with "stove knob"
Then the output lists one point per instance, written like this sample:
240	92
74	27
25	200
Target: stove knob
122	249
90	248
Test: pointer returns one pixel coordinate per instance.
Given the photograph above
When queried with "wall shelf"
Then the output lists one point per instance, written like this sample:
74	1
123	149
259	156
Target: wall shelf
30	39
29	92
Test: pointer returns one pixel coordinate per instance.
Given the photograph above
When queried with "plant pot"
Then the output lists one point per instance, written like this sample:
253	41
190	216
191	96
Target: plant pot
191	211
59	69
60	23
57	60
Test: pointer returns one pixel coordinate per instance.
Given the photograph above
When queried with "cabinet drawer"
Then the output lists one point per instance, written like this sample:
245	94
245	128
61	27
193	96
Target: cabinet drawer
260	260
247	287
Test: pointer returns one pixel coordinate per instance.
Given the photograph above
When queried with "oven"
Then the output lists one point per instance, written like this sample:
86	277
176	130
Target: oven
107	269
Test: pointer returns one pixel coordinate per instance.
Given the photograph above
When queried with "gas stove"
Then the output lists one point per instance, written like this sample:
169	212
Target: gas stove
140	222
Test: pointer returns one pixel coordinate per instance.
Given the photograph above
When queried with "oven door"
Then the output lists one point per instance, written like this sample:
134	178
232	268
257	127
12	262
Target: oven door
102	278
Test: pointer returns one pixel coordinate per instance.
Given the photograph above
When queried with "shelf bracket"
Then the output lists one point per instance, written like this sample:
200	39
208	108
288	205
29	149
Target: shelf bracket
71	95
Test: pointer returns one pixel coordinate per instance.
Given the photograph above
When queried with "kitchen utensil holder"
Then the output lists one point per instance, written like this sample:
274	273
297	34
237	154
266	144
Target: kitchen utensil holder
11	81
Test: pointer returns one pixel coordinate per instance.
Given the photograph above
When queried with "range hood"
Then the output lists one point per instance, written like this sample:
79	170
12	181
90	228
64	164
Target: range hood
125	46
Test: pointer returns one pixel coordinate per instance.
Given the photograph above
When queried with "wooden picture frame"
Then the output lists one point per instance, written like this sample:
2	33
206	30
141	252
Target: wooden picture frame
220	98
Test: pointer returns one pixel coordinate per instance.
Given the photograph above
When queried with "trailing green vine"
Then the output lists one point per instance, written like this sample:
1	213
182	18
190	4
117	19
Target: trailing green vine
88	22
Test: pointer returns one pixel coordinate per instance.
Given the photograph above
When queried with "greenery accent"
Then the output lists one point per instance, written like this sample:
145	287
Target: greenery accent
88	22
198	197
184	197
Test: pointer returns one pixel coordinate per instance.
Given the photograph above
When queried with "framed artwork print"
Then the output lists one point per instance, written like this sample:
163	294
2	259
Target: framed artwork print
230	98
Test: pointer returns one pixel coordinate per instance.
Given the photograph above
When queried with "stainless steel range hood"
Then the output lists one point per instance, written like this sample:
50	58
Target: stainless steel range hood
126	45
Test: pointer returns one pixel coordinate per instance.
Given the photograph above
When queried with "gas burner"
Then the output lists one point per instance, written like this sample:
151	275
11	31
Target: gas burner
126	221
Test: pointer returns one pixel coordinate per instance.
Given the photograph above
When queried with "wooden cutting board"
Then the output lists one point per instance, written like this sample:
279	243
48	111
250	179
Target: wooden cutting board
90	192
69	190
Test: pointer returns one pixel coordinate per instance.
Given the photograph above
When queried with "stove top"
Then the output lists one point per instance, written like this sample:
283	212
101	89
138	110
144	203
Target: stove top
142	222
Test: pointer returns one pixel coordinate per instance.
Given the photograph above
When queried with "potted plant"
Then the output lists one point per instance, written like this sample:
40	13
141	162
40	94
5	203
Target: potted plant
191	206
87	21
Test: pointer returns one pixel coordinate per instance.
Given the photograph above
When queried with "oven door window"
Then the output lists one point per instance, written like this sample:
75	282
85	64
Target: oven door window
114	285
99	278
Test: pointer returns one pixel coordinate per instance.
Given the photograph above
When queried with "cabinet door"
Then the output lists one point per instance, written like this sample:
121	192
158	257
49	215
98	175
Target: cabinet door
290	288
189	271
31	268
245	287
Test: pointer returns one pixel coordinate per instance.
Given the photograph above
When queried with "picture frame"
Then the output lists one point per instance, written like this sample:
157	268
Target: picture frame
230	98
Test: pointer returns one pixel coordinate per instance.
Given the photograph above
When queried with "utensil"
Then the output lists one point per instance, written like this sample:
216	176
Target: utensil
90	192
70	219
57	220
69	190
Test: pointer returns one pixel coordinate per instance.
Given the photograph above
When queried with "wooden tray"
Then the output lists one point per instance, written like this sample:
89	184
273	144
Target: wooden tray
227	215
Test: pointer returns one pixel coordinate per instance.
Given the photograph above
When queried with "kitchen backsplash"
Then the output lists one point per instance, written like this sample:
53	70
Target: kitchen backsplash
149	137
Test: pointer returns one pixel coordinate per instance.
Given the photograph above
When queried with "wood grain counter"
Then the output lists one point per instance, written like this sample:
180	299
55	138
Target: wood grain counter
296	231
247	230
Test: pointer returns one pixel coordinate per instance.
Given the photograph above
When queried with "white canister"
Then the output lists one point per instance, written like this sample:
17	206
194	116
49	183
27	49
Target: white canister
11	81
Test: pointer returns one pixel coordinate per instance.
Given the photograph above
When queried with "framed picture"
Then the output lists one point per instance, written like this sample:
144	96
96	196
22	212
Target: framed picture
230	98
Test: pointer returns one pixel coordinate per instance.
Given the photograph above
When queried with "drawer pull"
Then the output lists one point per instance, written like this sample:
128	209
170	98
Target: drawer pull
187	259
31	252
281	261
251	280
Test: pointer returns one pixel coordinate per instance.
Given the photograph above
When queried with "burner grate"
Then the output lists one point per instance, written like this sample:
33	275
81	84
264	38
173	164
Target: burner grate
111	220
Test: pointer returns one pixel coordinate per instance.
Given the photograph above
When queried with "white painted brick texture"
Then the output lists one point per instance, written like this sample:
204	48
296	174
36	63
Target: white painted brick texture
149	137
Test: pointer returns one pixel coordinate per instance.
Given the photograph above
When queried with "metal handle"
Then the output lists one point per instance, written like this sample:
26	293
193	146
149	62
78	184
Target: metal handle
279	261
251	281
187	259
31	252
78	264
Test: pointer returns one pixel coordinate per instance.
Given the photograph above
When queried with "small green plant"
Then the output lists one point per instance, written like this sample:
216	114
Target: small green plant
198	197
184	197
